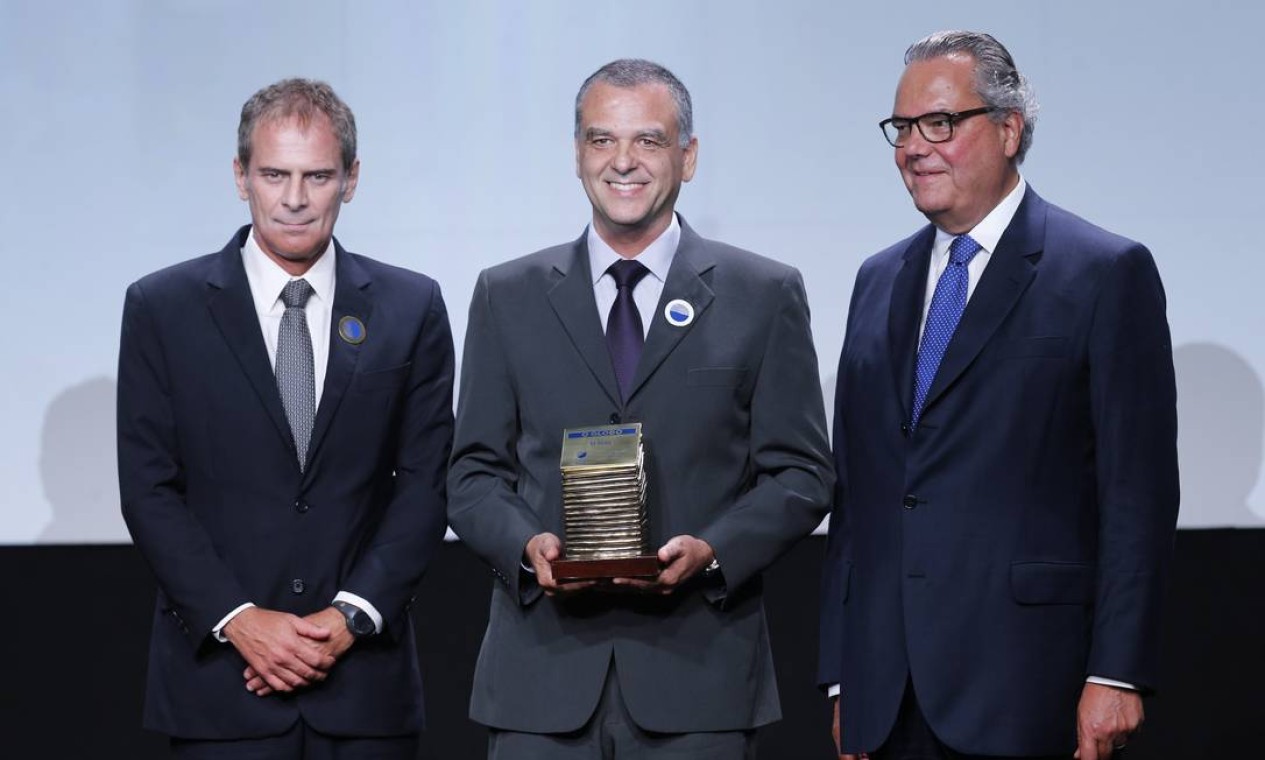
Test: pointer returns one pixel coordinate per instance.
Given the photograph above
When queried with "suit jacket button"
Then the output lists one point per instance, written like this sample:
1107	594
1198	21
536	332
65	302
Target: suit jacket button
301	507
297	585
910	501
904	429
614	418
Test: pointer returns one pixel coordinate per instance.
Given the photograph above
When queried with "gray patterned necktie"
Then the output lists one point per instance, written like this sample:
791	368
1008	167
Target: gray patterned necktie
295	370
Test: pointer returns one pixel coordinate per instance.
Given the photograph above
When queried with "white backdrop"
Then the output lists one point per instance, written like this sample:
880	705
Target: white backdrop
120	119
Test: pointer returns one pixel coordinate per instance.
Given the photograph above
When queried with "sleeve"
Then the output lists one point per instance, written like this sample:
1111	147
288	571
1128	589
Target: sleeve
484	508
835	573
789	455
195	581
1134	408
412	526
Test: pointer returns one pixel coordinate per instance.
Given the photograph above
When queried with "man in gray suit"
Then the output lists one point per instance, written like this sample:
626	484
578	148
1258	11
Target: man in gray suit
726	387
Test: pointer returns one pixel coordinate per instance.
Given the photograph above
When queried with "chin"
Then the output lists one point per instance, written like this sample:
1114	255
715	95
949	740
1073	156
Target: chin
928	205
292	253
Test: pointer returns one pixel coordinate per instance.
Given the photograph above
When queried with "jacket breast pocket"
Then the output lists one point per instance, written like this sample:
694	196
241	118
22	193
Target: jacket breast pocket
381	379
1045	347
716	377
1052	582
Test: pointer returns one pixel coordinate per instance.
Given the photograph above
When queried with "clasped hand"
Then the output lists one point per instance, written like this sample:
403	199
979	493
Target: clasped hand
284	652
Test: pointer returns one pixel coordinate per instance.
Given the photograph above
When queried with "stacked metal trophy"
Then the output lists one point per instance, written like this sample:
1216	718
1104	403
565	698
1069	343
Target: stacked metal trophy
604	504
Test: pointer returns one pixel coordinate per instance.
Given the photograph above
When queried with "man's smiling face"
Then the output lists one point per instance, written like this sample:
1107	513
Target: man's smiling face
629	158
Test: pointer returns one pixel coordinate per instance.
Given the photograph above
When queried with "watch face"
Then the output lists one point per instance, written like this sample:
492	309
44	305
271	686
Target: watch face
360	623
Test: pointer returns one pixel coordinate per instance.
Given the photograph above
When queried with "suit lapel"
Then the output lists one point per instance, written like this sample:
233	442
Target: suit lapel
685	282
1006	277
572	300
905	314
351	299
233	310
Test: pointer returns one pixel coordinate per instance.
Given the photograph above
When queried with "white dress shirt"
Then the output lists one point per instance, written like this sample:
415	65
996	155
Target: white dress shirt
267	279
657	257
987	233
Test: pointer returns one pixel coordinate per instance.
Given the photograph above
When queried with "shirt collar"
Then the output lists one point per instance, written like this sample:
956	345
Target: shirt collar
657	257
267	279
989	231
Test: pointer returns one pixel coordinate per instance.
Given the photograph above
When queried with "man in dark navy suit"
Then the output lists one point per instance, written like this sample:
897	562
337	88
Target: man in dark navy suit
1005	444
285	417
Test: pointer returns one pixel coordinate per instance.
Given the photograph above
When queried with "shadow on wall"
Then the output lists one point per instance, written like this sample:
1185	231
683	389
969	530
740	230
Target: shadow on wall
78	465
1221	420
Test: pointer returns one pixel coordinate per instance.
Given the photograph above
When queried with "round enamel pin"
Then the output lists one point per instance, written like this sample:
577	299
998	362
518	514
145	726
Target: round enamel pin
351	330
678	313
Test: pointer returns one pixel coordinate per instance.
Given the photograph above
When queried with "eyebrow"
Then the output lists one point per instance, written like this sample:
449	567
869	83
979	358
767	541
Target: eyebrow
655	134
308	173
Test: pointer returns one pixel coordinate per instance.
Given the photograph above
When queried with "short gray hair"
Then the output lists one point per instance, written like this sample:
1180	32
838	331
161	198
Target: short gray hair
997	80
302	99
634	72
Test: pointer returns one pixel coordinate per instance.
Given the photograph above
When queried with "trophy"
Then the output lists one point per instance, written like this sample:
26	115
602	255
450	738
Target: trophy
604	505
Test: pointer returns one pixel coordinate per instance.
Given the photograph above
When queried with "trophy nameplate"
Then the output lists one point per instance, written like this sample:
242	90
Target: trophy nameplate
604	505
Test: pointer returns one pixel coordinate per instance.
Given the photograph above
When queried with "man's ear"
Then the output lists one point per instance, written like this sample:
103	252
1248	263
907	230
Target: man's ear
239	177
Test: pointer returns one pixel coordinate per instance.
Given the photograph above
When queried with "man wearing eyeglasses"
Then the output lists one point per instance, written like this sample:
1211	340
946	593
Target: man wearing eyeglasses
1005	445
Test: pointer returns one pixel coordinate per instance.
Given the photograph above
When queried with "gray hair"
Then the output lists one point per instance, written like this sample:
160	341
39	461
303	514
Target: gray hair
634	72
302	99
997	81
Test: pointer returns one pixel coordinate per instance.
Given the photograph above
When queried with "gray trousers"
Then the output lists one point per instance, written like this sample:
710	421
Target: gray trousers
611	734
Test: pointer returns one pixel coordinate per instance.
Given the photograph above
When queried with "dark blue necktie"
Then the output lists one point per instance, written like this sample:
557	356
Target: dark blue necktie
947	305
624	333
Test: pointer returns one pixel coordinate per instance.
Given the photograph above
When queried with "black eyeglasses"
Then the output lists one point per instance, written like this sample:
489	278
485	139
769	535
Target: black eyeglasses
936	127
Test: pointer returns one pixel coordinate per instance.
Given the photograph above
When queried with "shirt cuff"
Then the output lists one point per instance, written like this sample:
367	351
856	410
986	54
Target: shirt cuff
833	691
362	603
1111	682
218	630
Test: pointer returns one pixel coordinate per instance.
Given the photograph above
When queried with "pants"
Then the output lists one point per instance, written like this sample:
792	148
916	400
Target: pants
301	742
912	739
611	734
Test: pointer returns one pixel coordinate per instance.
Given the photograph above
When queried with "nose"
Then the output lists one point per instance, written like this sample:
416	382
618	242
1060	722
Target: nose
625	159
295	195
915	144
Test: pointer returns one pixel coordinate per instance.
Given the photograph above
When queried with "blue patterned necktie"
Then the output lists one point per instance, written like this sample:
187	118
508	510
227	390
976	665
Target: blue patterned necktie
947	305
295	370
624	332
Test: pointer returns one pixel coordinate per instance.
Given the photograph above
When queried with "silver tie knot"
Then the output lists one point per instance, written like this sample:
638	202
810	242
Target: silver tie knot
296	293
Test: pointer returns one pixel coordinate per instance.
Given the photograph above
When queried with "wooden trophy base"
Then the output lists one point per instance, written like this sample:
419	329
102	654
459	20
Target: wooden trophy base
597	569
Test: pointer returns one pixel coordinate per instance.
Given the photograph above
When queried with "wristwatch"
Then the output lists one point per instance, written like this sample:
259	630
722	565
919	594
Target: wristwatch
358	621
713	569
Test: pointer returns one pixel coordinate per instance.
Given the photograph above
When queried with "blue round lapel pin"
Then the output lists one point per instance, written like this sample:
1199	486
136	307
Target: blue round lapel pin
352	330
679	313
